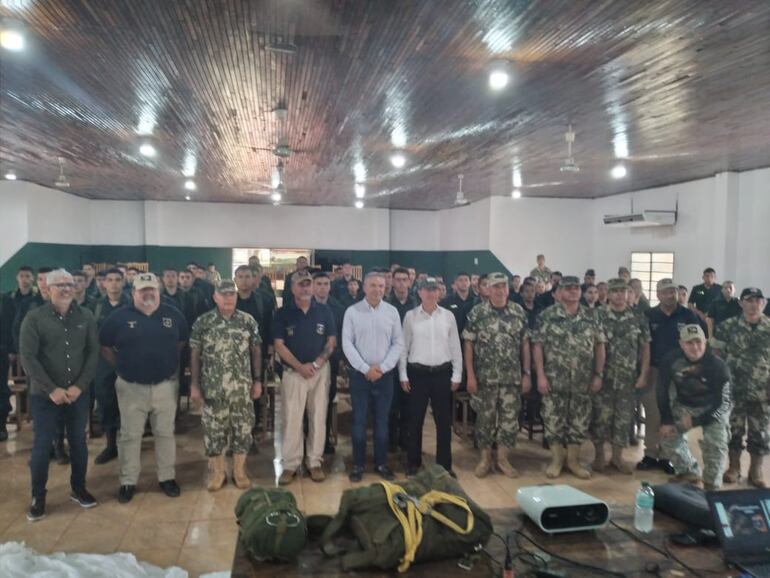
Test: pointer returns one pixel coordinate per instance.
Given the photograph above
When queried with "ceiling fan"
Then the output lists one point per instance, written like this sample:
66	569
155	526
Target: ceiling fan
281	148
276	188
460	199
62	182
569	165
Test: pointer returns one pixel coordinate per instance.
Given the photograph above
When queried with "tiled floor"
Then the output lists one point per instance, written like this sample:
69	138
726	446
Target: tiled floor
197	531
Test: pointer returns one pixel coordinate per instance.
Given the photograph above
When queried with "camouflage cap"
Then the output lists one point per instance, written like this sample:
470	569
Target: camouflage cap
617	284
226	286
428	283
622	270
750	292
301	277
666	283
496	278
569	281
146	281
691	332
590	273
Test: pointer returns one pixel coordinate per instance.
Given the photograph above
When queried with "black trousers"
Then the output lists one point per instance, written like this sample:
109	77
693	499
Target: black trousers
434	388
398	417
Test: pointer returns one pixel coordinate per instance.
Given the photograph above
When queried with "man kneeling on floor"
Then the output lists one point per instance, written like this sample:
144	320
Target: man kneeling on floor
225	366
701	398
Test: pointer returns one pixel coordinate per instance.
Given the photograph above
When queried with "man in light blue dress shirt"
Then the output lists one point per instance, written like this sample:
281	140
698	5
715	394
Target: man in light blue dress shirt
372	342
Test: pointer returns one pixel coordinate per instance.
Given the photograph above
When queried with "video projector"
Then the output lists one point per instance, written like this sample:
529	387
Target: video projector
561	508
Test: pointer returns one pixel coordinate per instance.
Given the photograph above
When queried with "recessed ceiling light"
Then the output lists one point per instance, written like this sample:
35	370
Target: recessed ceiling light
187	197
12	40
359	171
359	205
10	176
398	160
360	191
147	150
276	197
498	79
190	185
618	171
516	194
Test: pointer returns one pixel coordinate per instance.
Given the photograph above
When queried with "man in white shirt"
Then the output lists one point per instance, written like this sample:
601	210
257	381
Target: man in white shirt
372	342
430	368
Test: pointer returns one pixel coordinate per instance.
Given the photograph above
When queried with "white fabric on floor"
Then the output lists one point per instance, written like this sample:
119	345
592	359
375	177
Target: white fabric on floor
17	561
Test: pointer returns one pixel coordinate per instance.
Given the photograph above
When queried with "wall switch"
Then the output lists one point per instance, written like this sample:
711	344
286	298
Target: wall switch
475	260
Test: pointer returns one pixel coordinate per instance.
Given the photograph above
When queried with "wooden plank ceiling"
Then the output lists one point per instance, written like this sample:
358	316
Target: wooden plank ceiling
676	89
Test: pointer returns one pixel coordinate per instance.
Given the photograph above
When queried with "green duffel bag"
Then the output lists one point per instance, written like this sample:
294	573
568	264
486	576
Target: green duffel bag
425	518
272	528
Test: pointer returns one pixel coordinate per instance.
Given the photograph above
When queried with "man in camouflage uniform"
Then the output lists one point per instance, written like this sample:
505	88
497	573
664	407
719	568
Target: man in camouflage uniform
497	360
745	342
569	359
700	398
626	370
226	364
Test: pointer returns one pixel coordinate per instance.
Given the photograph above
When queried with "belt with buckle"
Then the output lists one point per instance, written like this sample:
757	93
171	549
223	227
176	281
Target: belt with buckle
431	368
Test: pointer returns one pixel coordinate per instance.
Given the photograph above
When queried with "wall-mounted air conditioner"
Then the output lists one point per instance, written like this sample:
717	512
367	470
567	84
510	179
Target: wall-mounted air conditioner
642	219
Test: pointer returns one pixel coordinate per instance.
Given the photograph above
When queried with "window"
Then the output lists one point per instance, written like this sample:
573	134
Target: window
651	268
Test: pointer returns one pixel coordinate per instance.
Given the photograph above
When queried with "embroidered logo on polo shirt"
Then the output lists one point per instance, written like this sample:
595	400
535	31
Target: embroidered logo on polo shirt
320	328
290	331
167	322
131	324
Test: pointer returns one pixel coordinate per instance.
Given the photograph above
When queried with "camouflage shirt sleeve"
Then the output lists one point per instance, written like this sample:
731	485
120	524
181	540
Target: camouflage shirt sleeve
645	336
196	335
471	326
600	336
255	339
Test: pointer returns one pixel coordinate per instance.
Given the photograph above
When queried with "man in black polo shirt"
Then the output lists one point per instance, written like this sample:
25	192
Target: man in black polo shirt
143	341
723	307
702	295
666	321
305	338
461	301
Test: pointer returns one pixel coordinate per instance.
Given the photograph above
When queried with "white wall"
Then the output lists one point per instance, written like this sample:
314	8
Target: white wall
753	229
465	228
14	232
561	229
411	230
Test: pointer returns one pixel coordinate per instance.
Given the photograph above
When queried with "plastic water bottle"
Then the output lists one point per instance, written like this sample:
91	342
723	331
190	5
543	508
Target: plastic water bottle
645	500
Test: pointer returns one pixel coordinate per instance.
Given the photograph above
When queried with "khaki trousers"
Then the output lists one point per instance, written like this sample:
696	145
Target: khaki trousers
137	402
649	399
298	395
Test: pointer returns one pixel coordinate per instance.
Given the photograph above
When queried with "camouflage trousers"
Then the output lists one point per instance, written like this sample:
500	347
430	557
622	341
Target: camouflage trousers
567	414
497	414
613	412
713	447
754	415
228	418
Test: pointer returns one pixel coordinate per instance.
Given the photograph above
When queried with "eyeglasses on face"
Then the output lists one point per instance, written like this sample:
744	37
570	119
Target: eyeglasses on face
63	285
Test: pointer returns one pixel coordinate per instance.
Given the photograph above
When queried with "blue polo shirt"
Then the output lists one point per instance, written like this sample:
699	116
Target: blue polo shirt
146	347
665	330
305	334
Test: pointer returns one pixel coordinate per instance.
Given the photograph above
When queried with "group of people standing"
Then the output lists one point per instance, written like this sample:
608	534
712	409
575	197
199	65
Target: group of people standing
589	356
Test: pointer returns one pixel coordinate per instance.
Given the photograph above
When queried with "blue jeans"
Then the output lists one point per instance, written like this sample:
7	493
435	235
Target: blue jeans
46	416
380	394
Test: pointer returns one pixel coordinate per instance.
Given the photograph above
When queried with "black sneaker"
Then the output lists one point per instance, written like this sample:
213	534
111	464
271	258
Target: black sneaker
667	467
83	498
170	488
356	474
385	472
106	455
126	494
329	449
647	463
36	510
452	473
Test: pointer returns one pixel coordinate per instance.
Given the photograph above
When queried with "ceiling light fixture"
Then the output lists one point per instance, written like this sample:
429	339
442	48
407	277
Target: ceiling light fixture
618	171
276	197
190	185
146	149
516	194
359	171
499	76
187	197
11	39
398	160
359	205
10	176
360	190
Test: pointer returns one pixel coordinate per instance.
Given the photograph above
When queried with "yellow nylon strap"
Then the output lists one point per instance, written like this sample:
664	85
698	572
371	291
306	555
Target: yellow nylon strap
411	522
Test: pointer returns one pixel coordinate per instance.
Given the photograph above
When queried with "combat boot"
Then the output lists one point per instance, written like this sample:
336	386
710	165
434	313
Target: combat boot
599	461
504	465
485	463
617	461
733	473
573	464
557	461
217	476
240	478
755	471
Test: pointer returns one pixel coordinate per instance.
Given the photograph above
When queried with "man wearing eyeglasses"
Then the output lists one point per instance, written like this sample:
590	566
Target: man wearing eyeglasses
59	350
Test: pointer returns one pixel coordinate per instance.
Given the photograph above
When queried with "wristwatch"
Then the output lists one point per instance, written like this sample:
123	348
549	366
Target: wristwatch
527	373
599	374
316	366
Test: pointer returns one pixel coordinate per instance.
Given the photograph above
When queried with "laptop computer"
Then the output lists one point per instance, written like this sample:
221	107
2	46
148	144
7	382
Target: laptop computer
742	523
